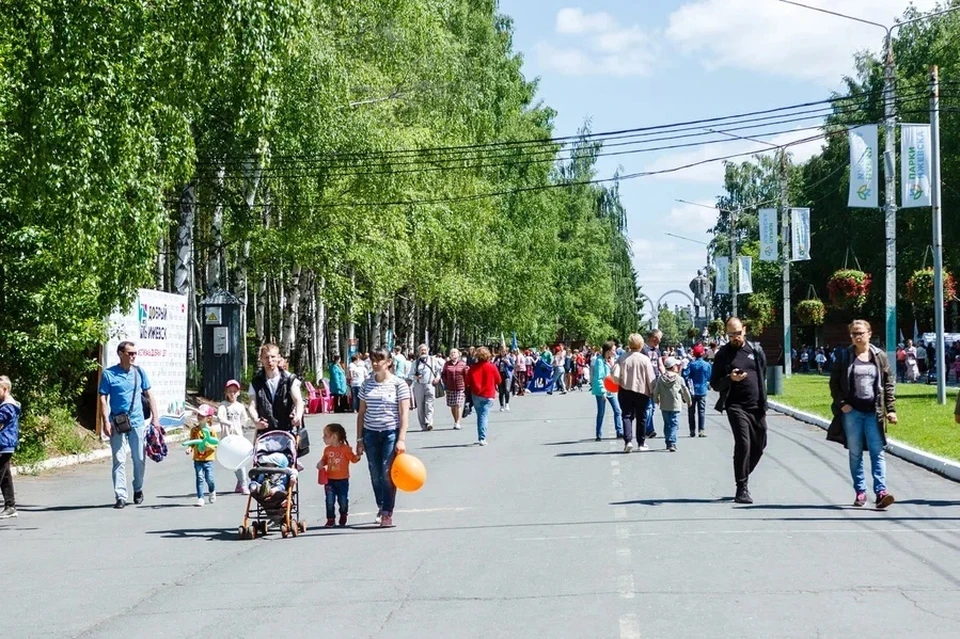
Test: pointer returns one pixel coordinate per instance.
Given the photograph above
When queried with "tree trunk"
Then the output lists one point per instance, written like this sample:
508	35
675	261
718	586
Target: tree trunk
161	278
319	324
261	314
216	264
290	303
183	278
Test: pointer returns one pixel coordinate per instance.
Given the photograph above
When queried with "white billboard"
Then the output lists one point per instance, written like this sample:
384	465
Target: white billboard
157	324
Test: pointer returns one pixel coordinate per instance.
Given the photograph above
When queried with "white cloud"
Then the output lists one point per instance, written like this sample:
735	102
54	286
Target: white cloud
711	172
779	39
596	44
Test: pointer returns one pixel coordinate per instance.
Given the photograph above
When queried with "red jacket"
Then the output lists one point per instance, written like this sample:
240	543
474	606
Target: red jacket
483	379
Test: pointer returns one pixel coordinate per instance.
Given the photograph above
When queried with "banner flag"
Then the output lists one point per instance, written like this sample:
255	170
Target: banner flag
863	167
745	276
541	378
914	165
722	286
768	235
799	234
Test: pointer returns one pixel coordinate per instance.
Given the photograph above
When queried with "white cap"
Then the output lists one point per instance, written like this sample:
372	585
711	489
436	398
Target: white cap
671	362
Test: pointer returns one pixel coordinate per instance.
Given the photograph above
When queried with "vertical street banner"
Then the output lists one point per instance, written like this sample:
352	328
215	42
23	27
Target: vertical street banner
723	275
799	234
863	167
768	235
745	274
157	325
914	165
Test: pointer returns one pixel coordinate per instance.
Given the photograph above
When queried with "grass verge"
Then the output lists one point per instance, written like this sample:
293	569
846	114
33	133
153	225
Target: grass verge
922	422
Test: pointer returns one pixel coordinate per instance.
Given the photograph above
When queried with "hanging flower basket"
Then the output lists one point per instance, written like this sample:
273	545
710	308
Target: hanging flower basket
761	312
848	289
811	312
692	333
920	288
716	326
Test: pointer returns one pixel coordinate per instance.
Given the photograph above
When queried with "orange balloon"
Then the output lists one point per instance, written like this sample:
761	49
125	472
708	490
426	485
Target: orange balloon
408	473
610	385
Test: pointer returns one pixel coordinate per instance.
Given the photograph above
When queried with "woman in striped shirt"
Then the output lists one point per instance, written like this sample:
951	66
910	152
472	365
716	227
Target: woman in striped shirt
382	428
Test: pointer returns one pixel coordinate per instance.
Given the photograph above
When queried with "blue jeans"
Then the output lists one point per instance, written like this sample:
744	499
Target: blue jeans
380	447
617	413
558	383
482	406
697	413
671	424
863	428
651	409
204	471
134	440
355	397
337	491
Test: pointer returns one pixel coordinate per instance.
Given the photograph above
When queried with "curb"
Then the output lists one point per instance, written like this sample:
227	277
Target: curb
940	465
82	458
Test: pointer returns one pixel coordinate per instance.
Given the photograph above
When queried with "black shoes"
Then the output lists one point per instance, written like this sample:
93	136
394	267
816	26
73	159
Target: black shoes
120	504
138	497
693	433
743	494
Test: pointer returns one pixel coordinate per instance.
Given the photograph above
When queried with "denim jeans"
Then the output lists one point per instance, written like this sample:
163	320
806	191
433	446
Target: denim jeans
482	406
119	443
671	424
651	409
380	447
634	408
617	414
697	413
558	383
204	472
863	428
337	491
355	396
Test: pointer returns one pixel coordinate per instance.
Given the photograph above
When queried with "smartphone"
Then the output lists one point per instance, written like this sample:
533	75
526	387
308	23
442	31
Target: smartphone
737	371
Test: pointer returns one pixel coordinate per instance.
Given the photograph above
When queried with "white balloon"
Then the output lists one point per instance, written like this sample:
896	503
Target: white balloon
234	451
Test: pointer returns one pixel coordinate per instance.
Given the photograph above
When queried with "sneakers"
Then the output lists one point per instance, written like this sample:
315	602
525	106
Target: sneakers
702	434
457	426
138	497
120	504
860	500
671	448
213	496
643	448
507	408
343	520
482	442
386	521
329	523
199	503
693	433
884	499
379	517
8	513
501	409
743	495
628	447
652	435
428	427
598	438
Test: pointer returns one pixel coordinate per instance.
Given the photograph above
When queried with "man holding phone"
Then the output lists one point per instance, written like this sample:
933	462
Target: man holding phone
739	372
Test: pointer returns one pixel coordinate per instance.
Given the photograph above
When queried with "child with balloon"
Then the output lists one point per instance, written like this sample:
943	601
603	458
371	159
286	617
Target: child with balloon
203	445
233	416
334	465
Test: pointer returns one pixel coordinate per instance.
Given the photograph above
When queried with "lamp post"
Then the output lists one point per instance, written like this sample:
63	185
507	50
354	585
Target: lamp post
890	194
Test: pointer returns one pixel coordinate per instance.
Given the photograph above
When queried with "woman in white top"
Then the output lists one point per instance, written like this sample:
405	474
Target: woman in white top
358	375
382	428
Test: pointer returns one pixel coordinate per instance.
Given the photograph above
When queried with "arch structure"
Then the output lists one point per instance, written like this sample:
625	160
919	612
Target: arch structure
654	322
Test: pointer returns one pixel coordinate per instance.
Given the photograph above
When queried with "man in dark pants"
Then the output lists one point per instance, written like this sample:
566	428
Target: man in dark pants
739	372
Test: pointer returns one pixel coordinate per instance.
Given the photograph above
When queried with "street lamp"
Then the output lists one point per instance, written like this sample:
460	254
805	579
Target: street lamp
890	196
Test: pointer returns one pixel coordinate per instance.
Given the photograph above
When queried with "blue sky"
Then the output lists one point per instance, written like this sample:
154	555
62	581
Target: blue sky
651	62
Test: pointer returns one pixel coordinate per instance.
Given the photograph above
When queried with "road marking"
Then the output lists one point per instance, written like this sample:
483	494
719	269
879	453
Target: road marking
618	495
614	462
622	532
620	512
615	471
626	587
625	556
629	627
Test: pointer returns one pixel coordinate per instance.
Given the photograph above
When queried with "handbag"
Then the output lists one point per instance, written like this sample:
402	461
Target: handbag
303	443
156	445
121	421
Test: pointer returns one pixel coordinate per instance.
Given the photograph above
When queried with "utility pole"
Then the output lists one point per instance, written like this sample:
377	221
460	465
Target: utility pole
785	232
734	280
940	361
890	195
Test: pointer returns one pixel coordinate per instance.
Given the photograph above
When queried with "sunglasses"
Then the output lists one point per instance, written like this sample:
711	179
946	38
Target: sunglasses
736	334
130	353
860	334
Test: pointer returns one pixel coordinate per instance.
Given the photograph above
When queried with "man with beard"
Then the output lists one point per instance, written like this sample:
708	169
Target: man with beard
739	372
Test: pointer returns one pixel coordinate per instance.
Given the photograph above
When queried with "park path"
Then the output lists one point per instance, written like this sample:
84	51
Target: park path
543	533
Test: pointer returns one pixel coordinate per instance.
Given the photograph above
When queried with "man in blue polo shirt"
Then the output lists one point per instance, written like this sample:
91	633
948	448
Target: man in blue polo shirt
122	388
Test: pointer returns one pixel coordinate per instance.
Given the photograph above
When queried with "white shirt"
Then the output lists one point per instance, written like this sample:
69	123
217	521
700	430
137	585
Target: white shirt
232	417
358	373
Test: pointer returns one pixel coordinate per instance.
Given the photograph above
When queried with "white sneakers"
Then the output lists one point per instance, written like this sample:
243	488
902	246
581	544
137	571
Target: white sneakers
642	448
212	498
199	502
507	408
483	442
457	426
628	447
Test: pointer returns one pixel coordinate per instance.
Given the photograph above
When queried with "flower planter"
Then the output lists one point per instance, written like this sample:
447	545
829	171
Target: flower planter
848	289
811	312
920	288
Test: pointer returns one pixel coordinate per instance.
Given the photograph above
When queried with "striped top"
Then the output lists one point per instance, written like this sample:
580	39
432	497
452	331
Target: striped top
382	400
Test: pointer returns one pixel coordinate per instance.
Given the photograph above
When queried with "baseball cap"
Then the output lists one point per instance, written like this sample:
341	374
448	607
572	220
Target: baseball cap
698	350
232	382
671	362
206	410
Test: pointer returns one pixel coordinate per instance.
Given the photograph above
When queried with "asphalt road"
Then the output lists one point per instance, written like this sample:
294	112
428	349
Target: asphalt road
543	533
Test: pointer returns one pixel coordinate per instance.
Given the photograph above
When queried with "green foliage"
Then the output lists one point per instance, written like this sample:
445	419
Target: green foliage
54	432
811	312
922	285
760	313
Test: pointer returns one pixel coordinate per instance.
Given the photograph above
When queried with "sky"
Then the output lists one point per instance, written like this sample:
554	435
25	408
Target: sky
627	64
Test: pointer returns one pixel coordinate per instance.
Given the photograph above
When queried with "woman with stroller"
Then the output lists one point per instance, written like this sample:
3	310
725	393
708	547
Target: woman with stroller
382	422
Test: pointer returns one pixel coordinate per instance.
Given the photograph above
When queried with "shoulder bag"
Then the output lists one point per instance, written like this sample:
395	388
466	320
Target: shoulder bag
121	421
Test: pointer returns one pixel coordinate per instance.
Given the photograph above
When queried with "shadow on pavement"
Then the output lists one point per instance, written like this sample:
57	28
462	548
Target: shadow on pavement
658	502
52	509
210	534
469	445
799	507
928	502
587	453
575	441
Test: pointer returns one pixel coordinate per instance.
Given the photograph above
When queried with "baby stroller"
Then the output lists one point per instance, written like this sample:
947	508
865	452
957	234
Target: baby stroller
274	494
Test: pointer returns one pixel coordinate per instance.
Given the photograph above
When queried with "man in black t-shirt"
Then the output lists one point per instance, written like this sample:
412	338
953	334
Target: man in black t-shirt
739	372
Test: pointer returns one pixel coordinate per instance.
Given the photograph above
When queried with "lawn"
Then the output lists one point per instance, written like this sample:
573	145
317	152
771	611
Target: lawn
922	422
